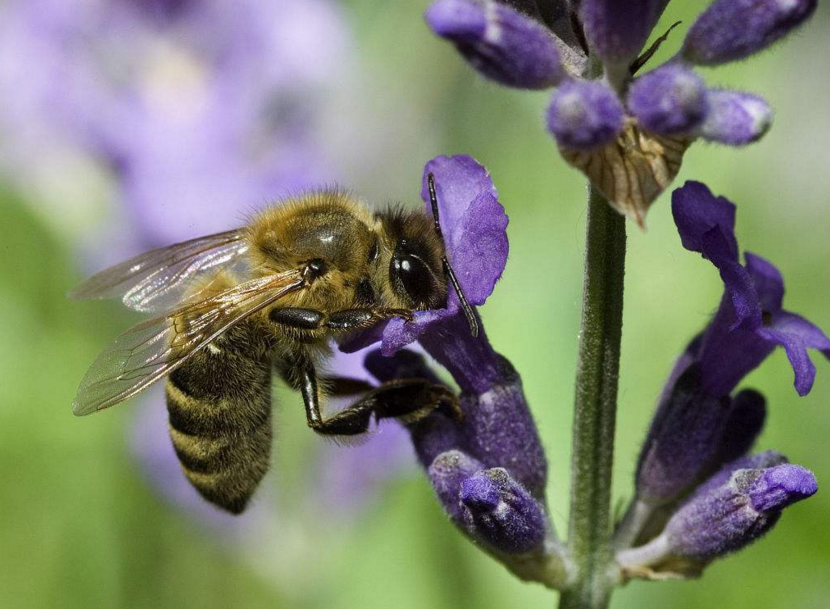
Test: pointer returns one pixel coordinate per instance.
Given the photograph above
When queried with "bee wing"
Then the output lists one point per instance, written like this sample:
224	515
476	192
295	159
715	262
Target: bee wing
158	280
155	348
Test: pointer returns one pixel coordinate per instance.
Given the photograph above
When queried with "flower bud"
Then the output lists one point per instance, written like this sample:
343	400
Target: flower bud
669	100
744	425
726	519
499	511
617	29
736	118
735	29
682	442
584	115
447	472
499	42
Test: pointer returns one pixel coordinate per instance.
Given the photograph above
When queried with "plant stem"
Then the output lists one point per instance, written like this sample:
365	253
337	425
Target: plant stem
595	408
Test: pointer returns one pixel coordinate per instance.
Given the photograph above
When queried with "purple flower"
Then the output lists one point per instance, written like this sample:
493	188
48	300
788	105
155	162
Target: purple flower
630	156
735	29
488	470
193	107
500	43
750	321
474	227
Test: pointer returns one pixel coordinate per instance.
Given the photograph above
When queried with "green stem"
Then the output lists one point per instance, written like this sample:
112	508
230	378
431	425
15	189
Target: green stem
595	408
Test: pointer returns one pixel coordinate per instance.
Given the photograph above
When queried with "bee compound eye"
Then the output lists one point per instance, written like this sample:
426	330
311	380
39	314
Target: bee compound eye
413	275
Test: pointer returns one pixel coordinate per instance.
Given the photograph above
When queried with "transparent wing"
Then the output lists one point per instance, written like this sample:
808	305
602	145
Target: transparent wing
161	279
155	348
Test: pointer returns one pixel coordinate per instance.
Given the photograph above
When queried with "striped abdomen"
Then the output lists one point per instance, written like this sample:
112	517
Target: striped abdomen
219	403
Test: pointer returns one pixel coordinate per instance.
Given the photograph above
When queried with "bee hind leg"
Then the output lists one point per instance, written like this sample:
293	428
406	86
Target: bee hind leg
408	400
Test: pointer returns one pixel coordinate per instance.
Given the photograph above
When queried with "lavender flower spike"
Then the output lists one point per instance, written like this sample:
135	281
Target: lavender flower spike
584	115
669	100
499	42
730	30
750	321
736	118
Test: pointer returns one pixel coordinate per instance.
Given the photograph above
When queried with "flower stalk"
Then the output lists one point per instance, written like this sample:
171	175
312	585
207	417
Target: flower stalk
595	408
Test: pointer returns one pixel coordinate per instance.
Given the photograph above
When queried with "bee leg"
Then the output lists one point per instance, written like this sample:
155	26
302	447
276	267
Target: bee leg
341	386
349	425
408	400
348	319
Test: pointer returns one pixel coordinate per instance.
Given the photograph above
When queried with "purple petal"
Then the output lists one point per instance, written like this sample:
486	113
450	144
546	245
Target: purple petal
398	333
768	281
810	334
617	29
584	115
696	211
669	100
729	352
803	367
781	486
735	29
736	118
736	280
499	42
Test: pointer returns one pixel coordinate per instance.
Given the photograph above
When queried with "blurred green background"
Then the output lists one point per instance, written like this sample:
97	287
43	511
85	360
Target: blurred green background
82	526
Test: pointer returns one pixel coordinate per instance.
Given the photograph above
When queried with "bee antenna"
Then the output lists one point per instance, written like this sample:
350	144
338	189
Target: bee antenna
469	312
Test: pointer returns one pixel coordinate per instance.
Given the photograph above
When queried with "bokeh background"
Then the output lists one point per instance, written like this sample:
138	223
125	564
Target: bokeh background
127	124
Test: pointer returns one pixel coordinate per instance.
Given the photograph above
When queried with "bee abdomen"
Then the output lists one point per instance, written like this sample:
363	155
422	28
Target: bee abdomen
220	424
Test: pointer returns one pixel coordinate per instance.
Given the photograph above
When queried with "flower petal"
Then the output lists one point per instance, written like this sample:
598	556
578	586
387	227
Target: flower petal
696	211
768	281
792	332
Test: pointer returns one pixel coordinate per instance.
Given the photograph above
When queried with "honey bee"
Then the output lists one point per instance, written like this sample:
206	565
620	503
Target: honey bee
234	307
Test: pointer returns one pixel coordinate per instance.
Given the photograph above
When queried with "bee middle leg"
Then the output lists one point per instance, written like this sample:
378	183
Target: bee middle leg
406	399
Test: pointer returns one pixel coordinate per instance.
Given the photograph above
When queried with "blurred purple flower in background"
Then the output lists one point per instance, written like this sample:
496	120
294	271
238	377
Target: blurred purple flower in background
201	110
192	115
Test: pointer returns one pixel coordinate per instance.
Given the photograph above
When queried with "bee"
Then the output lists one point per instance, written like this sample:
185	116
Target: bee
232	309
